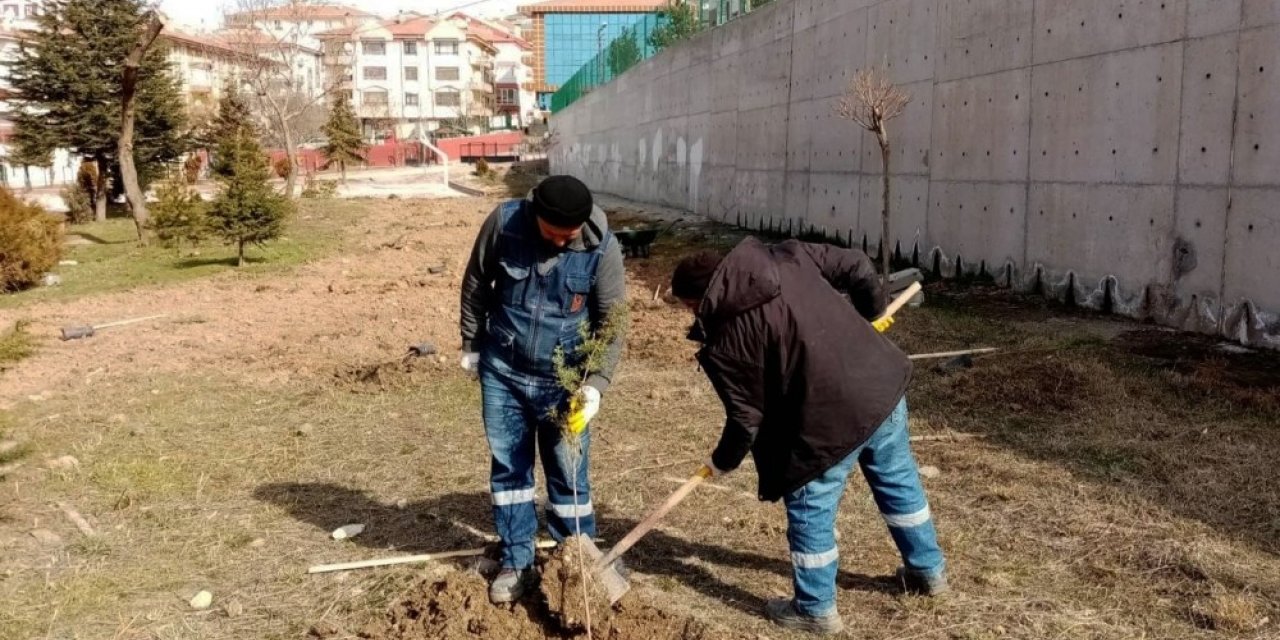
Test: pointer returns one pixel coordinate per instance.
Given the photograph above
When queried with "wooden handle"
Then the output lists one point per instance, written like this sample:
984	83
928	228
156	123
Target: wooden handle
901	301
651	520
383	562
425	557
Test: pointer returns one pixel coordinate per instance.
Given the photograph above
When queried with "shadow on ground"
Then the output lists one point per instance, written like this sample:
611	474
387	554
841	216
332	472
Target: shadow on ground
455	521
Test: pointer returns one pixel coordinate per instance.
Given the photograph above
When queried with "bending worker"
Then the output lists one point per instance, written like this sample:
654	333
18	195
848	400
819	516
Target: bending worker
811	389
540	267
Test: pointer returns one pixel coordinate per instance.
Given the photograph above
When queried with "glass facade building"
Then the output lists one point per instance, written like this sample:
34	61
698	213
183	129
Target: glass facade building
572	40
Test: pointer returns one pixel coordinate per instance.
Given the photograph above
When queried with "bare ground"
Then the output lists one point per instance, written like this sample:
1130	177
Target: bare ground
1123	485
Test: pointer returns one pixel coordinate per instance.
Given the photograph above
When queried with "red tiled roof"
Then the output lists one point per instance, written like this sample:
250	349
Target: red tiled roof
418	26
599	6
200	41
340	32
490	31
300	10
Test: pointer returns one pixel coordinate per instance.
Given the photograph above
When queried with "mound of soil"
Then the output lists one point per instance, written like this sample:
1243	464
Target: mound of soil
563	581
385	376
457	607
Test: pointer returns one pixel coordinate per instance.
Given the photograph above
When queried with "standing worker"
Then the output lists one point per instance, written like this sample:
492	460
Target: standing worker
541	267
811	389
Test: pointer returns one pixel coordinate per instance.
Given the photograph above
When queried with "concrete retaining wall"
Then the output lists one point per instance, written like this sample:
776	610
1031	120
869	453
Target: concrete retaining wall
1123	153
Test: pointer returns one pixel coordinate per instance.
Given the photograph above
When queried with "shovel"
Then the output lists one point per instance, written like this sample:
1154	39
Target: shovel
87	331
615	585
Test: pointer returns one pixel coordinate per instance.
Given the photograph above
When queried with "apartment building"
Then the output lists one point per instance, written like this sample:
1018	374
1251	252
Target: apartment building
414	75
299	21
515	100
203	64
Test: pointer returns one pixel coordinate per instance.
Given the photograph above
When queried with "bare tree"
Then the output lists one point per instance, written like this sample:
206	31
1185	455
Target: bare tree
275	32
871	101
128	116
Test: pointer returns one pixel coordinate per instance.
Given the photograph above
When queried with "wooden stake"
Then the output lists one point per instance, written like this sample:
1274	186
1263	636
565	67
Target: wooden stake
951	354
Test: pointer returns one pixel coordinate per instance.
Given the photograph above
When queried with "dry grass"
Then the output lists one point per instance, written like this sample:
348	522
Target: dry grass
16	344
1110	498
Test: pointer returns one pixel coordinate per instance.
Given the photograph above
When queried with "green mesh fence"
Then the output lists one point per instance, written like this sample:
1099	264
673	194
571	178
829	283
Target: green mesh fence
625	51
636	45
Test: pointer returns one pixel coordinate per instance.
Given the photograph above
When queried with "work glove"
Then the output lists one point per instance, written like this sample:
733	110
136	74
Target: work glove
882	325
470	362
582	408
709	470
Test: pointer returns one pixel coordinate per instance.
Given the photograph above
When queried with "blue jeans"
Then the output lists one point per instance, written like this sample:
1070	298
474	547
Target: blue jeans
891	472
516	406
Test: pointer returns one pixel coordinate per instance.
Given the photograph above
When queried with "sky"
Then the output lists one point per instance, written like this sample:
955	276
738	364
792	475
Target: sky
208	13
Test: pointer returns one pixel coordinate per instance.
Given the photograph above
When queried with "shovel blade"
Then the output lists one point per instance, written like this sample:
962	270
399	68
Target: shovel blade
615	585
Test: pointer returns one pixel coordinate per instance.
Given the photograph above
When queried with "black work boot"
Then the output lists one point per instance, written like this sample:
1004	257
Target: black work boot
510	584
783	613
923	585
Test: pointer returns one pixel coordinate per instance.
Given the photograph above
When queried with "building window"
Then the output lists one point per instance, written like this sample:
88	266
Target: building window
375	73
446	47
445	74
375	98
411	73
448	99
278	25
507	97
374	48
411	48
410	99
32	10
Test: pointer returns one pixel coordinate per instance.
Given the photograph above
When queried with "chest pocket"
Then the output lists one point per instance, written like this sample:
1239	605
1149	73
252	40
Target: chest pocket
577	292
515	283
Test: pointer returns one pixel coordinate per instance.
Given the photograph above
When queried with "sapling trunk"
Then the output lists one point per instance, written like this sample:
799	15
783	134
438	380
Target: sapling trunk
588	359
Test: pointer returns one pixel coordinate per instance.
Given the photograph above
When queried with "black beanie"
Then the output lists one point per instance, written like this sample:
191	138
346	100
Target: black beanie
693	275
562	201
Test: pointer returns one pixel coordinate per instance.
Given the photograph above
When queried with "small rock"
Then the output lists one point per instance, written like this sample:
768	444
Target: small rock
443	359
137	431
118	418
436	270
305	430
930	471
67	263
234	609
401	504
64	462
46	537
348	531
51	280
202	600
258	543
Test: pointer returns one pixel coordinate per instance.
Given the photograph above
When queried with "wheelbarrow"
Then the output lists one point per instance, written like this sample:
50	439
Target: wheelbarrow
636	242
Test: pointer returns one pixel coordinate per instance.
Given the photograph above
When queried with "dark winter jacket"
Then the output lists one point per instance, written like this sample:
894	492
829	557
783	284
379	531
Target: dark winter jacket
804	377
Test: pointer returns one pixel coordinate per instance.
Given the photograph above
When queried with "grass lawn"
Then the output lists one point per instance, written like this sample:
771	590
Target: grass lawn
110	259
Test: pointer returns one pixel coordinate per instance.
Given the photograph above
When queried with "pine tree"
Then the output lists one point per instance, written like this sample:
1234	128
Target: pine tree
67	76
247	210
679	21
233	116
30	150
342	129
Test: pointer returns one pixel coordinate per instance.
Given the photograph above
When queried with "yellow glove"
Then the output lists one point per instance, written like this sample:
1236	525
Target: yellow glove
882	325
582	408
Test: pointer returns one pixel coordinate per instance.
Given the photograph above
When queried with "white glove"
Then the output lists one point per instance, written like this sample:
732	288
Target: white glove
584	406
715	472
470	362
